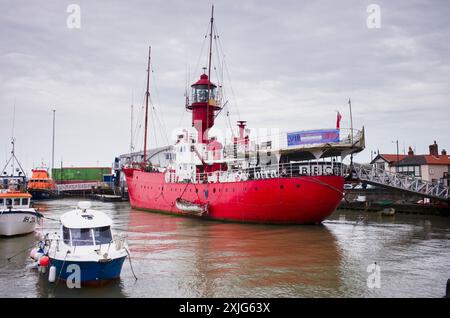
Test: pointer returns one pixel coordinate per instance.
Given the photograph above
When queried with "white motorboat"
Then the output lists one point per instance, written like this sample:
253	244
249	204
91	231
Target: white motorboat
16	215
85	242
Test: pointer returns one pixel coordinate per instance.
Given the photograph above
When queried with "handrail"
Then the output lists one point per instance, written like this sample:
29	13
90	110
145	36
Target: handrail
379	176
282	170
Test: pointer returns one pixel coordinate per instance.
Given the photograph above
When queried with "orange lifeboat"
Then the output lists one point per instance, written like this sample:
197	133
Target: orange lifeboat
41	185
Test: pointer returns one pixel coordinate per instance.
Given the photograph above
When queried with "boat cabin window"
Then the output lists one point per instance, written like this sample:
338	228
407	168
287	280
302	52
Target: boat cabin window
81	237
2	201
66	235
9	202
16	201
24	201
102	235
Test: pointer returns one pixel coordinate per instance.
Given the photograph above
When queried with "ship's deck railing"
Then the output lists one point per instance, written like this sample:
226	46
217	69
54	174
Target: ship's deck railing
279	141
282	170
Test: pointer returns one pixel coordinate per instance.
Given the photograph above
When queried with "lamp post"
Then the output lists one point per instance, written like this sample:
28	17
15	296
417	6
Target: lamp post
398	157
351	131
53	141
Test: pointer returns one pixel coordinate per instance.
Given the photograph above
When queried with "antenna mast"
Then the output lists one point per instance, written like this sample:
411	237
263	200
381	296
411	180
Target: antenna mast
147	95
210	42
13	157
131	130
12	135
53	141
209	69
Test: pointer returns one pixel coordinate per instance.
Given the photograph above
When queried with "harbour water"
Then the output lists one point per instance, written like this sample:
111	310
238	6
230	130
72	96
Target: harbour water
183	257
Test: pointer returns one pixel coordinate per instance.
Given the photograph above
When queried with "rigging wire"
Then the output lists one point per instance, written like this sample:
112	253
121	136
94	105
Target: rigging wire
201	53
220	74
160	116
220	47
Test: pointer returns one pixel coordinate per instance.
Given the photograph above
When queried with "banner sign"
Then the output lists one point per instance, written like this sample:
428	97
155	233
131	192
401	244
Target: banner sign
76	186
312	137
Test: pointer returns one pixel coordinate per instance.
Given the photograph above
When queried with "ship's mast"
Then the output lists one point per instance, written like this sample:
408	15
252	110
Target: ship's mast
53	142
12	135
147	95
210	43
13	157
209	68
131	130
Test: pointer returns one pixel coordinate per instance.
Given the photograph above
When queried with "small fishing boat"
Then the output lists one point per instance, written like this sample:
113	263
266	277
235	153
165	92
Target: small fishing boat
41	186
17	217
85	244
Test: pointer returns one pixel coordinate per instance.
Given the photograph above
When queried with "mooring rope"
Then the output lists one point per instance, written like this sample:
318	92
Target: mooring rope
60	271
131	265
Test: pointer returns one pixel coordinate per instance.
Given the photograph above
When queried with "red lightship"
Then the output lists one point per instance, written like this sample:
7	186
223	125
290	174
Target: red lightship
289	178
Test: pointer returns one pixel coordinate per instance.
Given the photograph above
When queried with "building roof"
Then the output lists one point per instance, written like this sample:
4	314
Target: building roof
412	161
439	160
424	159
390	158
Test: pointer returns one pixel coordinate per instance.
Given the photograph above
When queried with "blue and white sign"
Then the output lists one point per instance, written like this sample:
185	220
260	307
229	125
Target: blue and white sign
312	137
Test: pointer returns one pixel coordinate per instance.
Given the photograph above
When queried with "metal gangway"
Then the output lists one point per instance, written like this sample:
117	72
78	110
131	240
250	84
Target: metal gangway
370	174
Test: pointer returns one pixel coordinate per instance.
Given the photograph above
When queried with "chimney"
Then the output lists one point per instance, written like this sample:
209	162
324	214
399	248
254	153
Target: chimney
410	152
434	149
241	125
444	152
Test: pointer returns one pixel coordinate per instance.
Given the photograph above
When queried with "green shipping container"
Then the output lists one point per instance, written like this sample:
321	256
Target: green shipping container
84	174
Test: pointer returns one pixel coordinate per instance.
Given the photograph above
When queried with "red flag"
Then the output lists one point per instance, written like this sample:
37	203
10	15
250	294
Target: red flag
338	120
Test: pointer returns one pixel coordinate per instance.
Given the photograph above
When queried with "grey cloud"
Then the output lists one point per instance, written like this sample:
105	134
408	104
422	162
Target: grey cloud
292	64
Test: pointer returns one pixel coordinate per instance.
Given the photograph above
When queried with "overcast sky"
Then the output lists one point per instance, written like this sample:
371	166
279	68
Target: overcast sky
291	65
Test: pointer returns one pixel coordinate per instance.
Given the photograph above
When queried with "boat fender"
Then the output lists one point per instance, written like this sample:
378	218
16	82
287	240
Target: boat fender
44	261
52	274
119	240
33	253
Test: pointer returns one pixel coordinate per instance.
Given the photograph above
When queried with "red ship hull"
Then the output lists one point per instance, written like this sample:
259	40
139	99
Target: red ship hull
294	200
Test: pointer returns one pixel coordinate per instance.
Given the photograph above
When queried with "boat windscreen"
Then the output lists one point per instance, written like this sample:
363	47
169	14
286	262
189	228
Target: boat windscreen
66	235
81	237
102	235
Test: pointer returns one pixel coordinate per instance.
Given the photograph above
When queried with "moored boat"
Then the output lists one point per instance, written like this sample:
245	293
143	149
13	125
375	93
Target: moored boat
85	245
16	215
283	178
41	186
